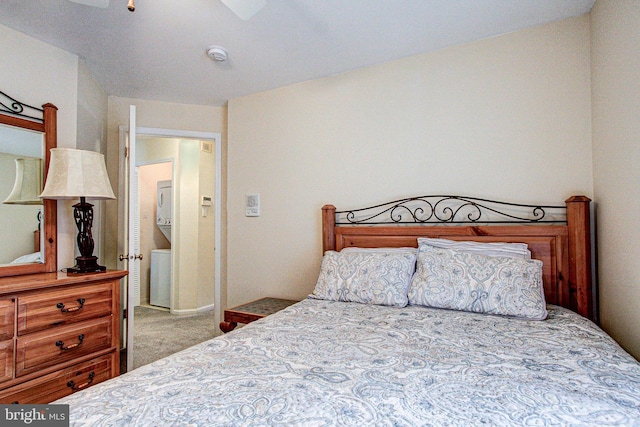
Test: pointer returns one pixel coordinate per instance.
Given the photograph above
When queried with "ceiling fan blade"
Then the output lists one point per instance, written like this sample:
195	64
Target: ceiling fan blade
95	3
245	9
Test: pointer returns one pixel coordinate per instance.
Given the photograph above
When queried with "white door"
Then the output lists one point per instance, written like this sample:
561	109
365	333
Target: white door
133	234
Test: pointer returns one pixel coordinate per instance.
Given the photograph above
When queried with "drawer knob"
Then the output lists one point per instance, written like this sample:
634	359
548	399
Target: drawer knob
75	387
71	309
60	343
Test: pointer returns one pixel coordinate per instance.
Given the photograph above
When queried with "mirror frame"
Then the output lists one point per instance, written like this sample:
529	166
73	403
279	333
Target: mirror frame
48	126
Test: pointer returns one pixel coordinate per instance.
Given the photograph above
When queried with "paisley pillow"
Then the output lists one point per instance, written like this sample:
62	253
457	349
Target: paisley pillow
366	277
512	250
465	281
381	250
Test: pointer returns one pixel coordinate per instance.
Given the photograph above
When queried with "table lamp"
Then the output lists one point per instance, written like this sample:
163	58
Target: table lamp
79	174
28	183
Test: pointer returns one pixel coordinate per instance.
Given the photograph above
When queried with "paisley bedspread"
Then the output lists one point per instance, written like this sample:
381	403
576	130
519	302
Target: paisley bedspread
325	363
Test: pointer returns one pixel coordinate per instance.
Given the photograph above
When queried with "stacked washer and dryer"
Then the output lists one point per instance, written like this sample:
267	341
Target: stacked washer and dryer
160	285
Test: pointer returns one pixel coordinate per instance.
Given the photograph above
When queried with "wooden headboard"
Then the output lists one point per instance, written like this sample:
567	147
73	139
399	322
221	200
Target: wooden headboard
559	236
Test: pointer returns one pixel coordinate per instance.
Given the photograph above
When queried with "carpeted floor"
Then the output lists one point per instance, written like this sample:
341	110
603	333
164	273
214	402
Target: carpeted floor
159	333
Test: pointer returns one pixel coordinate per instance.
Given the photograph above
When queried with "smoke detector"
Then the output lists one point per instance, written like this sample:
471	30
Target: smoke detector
217	53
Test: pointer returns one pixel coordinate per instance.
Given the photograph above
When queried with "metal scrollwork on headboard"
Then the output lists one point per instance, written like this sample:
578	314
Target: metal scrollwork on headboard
452	210
19	109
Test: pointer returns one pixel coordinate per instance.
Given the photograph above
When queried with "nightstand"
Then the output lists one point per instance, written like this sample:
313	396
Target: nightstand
252	311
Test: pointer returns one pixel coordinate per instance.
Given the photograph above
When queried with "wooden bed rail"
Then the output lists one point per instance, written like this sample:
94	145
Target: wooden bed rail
565	246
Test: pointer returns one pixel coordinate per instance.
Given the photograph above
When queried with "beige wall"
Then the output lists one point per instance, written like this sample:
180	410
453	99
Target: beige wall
91	135
92	113
36	73
186	226
615	48
505	118
206	227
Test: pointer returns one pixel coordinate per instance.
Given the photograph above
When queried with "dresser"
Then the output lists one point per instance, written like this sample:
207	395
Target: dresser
59	334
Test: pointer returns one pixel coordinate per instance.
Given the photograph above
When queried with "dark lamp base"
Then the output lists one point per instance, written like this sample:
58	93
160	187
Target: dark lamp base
86	265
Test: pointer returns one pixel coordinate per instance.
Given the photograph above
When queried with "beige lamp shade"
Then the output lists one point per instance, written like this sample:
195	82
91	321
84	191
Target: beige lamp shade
28	184
77	173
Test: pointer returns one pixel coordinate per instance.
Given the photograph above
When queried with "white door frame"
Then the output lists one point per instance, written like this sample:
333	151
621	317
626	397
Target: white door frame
217	206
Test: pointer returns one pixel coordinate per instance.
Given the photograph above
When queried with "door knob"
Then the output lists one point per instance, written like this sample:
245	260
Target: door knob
135	257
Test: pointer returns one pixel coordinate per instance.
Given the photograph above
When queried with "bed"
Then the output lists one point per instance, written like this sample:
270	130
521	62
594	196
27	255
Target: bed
382	346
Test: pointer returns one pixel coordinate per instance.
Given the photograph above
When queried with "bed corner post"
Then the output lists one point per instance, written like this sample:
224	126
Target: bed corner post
328	228
580	273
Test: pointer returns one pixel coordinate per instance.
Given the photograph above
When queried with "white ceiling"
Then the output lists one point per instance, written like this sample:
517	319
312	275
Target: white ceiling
158	52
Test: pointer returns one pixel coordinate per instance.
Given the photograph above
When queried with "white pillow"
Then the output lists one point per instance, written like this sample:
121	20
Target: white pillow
34	257
478	283
514	250
365	277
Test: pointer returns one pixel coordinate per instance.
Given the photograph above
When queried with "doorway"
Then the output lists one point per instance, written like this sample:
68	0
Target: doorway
191	161
155	198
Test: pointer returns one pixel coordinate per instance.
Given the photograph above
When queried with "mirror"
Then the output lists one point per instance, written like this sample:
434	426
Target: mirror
27	224
21	164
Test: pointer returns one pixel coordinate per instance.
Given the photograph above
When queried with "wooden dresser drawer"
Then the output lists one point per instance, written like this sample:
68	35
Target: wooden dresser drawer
60	383
60	344
58	333
7	312
6	360
44	309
